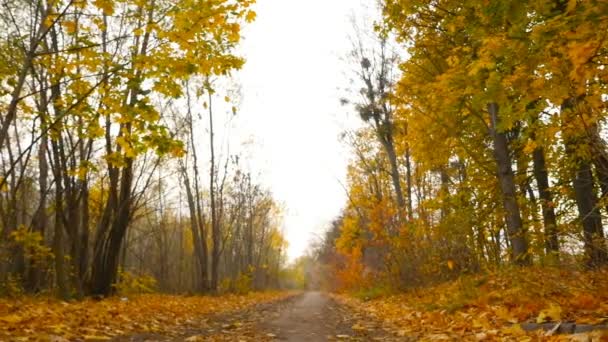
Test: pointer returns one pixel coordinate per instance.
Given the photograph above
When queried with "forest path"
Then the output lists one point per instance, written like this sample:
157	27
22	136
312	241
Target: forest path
312	316
306	317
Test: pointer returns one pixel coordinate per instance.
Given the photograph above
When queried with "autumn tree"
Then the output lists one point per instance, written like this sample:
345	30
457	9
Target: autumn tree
504	105
85	136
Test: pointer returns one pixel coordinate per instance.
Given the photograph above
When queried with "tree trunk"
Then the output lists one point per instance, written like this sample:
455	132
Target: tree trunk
445	192
40	219
600	161
586	200
395	176
84	235
58	249
201	258
506	181
546	199
215	225
408	177
117	214
584	190
105	264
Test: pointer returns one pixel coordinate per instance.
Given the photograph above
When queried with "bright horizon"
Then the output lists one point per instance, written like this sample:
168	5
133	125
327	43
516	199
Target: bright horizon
295	129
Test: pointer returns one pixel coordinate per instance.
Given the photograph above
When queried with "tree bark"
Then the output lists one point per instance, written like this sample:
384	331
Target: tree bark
201	258
546	199
215	224
408	178
58	248
40	219
395	175
199	217
586	201
584	190
600	161
105	264
506	181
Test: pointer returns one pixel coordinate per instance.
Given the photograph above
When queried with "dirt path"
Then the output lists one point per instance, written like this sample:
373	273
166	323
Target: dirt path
310	317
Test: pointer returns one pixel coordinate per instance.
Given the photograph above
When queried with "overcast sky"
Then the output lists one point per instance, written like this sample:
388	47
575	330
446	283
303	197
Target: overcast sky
290	108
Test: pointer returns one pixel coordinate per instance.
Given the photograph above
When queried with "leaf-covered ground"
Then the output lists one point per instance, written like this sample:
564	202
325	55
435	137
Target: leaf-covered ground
37	319
491	307
310	316
496	306
272	316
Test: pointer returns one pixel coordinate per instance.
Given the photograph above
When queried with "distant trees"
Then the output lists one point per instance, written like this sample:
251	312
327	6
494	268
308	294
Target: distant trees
376	71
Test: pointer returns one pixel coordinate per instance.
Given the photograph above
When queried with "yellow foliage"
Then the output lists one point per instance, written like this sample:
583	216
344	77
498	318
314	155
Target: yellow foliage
106	6
492	305
42	318
11	287
32	244
130	283
243	284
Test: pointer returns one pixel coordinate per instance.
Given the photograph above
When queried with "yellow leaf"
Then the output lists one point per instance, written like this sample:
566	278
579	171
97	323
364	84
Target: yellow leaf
530	147
106	6
553	313
250	17
70	26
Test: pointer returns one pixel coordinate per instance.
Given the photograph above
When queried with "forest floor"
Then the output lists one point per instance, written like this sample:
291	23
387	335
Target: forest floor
529	304
164	316
269	316
304	317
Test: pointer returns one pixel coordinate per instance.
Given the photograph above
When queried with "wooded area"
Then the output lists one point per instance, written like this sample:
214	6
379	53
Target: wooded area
484	143
105	108
476	193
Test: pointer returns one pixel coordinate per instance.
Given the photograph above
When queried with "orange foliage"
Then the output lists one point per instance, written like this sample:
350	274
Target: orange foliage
492	307
353	274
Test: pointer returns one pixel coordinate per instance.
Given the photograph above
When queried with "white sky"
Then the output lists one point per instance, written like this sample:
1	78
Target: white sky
290	108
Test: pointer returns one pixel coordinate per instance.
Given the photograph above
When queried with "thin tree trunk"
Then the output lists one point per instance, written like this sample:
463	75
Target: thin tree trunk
395	176
546	199
200	220
58	251
201	260
445	192
408	168
40	219
215	228
84	235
